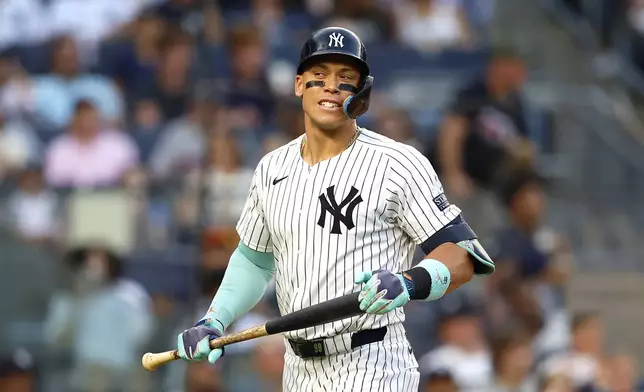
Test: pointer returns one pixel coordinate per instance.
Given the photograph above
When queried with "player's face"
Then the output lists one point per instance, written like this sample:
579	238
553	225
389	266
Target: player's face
322	98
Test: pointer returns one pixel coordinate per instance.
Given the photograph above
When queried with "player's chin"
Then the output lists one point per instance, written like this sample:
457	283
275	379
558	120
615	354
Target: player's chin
331	120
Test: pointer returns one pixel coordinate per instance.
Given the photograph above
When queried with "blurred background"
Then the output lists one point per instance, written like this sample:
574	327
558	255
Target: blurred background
129	131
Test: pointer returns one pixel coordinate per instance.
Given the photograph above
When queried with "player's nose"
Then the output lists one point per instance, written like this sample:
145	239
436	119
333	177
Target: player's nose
332	86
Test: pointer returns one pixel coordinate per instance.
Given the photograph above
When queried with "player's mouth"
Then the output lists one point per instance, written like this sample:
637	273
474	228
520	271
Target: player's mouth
330	104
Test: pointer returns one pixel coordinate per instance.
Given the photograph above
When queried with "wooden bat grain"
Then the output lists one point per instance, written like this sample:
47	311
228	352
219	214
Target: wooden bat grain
335	309
152	361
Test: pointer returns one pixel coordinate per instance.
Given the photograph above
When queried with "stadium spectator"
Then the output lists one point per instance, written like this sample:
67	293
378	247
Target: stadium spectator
269	16
227	181
463	351
512	359
438	381
182	145
249	96
433	25
486	128
583	363
19	146
202	377
557	383
34	209
132	60
268	361
288	125
57	92
23	22
172	84
484	136
16	92
635	21
365	17
101	303
532	262
146	128
89	155
17	372
397	124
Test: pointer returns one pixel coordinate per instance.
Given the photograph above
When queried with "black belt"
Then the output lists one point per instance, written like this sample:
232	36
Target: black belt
316	348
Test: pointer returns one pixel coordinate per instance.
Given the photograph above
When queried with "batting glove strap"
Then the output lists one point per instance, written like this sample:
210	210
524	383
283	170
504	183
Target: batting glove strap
210	330
430	280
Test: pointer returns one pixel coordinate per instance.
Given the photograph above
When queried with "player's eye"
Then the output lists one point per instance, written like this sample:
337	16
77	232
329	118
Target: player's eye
319	74
346	77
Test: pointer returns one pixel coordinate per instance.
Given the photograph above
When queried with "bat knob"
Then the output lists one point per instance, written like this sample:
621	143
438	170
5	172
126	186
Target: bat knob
148	362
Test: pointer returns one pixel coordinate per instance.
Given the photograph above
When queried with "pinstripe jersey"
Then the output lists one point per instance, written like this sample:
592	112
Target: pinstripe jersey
365	209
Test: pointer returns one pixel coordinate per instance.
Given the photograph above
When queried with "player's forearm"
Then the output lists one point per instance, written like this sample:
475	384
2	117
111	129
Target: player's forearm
243	286
445	269
457	261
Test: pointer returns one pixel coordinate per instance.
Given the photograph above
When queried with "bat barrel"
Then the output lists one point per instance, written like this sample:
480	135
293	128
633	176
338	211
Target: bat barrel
325	312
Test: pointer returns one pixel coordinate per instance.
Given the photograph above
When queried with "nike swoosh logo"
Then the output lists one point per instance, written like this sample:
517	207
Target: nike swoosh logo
277	180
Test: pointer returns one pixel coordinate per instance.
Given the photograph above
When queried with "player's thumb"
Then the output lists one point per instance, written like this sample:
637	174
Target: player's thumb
215	355
363	277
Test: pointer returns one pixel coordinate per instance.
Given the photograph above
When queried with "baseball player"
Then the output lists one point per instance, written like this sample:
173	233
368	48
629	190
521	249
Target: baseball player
338	210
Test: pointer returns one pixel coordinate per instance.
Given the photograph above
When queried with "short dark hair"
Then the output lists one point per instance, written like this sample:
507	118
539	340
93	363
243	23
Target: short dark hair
516	181
82	105
581	319
506	52
507	340
76	257
174	37
243	35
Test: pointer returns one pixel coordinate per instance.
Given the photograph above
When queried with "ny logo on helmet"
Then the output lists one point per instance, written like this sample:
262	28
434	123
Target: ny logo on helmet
335	40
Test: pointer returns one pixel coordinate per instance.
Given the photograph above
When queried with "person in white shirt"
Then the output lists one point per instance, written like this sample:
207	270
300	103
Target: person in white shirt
512	360
582	364
432	24
463	352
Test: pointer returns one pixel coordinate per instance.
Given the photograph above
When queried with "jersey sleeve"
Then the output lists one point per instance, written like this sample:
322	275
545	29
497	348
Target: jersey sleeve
252	227
422	207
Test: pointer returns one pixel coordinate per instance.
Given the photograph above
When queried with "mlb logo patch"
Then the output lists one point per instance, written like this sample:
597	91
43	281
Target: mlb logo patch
441	202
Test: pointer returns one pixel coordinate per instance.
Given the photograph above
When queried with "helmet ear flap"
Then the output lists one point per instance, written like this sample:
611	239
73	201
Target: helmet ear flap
358	104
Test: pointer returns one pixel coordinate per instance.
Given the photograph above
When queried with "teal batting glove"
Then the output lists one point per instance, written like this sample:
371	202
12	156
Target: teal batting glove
384	291
193	344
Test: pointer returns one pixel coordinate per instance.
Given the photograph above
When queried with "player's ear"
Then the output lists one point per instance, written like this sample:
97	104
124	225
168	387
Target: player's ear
299	86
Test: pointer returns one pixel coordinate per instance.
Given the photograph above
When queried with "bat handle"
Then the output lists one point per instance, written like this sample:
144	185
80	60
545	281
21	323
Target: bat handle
152	361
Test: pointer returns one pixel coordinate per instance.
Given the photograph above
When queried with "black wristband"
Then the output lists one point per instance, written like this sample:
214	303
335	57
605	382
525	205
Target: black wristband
421	280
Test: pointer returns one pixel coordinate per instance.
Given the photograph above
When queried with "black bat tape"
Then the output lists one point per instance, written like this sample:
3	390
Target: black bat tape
336	309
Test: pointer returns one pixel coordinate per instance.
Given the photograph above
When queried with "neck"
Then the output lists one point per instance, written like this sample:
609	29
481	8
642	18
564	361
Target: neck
322	145
521	224
498	89
510	380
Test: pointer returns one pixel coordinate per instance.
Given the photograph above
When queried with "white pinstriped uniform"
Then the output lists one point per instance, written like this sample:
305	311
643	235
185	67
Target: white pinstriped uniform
398	203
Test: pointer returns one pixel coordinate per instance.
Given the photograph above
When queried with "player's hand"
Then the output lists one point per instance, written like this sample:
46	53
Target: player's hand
384	291
194	344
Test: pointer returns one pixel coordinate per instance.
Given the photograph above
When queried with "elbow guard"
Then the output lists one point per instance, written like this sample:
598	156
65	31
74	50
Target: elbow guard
461	234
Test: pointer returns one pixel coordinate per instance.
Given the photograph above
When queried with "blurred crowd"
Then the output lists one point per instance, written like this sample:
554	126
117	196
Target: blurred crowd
129	132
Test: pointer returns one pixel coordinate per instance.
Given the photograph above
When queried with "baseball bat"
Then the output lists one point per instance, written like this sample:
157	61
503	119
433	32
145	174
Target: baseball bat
325	312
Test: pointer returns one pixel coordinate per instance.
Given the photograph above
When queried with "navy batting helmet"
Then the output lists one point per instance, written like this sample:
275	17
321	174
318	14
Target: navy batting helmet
344	42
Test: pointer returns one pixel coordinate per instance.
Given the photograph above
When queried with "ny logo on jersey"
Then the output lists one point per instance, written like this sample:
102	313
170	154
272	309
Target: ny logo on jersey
330	205
336	39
